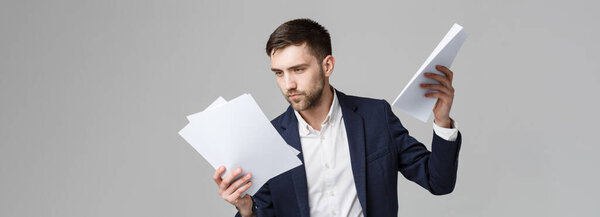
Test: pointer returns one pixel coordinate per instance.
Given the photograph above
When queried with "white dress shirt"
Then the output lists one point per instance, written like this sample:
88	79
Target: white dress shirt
331	188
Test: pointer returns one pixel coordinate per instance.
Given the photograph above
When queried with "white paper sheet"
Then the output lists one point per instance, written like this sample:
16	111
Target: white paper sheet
238	134
220	101
412	99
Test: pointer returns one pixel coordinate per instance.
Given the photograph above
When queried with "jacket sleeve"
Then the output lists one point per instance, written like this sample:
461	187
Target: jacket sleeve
264	204
435	170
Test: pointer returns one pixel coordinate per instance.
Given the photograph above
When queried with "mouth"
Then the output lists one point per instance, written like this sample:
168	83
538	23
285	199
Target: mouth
293	96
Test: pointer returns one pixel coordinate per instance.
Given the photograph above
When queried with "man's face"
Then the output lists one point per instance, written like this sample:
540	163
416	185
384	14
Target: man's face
299	75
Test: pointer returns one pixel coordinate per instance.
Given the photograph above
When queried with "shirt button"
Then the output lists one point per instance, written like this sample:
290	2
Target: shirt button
333	213
331	193
327	165
322	138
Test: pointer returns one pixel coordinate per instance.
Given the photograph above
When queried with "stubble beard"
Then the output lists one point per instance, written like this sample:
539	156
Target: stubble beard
309	98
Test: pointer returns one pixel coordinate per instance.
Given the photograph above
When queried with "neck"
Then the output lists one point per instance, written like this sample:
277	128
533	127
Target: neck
318	112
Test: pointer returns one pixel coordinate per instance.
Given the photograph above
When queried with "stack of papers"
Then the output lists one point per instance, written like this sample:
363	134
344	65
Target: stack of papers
412	99
238	134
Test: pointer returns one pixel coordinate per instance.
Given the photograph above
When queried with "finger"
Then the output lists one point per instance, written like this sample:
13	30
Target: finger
440	95
229	178
233	187
437	87
241	190
446	71
440	78
218	174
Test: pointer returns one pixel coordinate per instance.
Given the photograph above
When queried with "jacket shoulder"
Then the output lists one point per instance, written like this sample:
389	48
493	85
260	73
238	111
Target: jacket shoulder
363	100
366	103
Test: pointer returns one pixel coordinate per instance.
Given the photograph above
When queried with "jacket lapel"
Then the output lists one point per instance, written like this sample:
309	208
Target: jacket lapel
356	141
292	137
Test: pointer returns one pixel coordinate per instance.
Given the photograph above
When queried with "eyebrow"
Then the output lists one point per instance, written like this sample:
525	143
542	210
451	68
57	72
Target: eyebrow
292	67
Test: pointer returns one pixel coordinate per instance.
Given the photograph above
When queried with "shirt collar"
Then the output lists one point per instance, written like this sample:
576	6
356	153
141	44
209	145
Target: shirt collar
334	113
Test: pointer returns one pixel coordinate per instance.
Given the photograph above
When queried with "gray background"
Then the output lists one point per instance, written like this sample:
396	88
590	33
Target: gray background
93	94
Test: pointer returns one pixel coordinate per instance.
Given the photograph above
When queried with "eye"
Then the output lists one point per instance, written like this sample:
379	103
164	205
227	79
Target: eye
298	70
278	73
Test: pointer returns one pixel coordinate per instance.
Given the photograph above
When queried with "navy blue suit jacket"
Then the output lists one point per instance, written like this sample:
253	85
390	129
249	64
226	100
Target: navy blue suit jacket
379	147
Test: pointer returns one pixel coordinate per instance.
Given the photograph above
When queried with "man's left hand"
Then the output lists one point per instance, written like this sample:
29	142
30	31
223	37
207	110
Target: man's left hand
445	94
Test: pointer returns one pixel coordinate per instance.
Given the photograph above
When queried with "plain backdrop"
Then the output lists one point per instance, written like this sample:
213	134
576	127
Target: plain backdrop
93	93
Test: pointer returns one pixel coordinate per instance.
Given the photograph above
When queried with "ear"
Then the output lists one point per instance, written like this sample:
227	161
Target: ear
328	65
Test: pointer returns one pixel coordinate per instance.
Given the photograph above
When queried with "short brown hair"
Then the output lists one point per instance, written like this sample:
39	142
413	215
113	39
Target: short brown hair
299	31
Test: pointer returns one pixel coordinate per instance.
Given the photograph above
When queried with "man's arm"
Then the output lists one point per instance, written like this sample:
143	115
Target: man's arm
435	170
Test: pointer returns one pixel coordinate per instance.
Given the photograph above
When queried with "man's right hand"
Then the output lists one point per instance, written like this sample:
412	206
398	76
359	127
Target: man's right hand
231	190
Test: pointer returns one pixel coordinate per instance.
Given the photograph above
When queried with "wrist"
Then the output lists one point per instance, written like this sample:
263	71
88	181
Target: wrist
245	212
445	123
247	209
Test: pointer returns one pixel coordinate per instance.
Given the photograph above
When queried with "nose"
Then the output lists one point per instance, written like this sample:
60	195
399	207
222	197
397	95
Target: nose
290	81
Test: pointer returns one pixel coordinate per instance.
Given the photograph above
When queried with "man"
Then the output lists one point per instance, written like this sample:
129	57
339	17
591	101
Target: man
351	147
